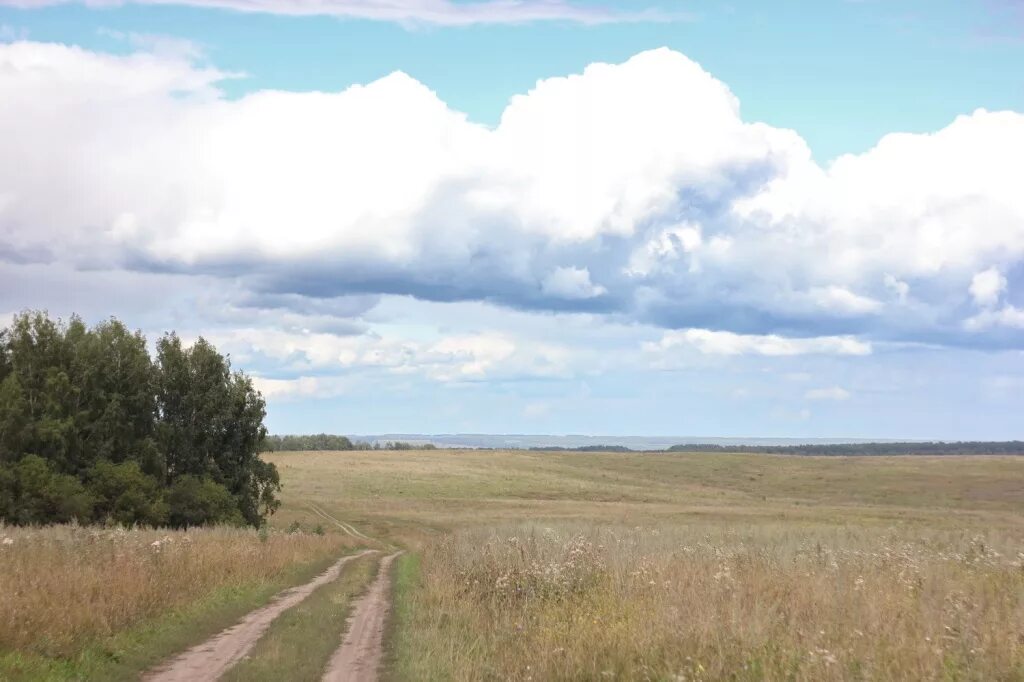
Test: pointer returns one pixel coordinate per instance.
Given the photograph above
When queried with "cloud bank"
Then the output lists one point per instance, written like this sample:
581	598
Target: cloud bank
634	191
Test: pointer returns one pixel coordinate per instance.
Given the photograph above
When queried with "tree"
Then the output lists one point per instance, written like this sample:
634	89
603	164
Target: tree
87	416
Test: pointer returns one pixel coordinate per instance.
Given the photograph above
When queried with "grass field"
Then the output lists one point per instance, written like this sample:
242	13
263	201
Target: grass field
563	566
568	566
104	604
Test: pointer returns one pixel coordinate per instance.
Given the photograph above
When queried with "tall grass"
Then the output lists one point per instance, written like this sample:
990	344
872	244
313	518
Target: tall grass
63	587
715	602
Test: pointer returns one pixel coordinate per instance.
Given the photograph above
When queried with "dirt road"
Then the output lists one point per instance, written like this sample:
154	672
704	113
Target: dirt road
211	659
359	656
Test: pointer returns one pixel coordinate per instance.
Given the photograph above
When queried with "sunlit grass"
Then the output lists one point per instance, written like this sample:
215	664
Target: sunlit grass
66	587
715	602
593	566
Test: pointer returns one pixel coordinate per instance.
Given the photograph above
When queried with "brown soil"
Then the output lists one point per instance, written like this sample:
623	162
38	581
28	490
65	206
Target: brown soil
212	658
358	658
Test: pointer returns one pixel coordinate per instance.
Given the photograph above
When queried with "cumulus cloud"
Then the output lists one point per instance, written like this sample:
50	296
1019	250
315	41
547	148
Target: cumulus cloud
987	286
300	387
571	283
727	343
1006	316
634	189
831	393
437	12
842	301
447	359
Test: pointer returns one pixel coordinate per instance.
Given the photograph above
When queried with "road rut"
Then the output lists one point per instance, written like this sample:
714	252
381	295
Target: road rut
211	659
359	656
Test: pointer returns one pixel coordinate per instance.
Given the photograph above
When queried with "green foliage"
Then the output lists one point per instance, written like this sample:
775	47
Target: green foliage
323	442
116	436
195	501
317	442
126	495
34	493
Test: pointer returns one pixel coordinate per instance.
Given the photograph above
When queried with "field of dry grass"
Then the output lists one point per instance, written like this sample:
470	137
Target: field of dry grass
71	593
714	602
568	566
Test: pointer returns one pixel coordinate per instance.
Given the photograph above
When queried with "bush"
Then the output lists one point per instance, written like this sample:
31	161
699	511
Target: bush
35	493
125	495
196	501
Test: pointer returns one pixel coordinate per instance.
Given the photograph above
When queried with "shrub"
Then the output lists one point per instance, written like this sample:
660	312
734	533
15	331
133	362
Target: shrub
196	501
125	495
35	493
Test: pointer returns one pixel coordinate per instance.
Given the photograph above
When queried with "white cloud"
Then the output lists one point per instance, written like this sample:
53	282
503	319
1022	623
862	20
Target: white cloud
832	393
987	286
439	12
727	343
841	301
448	358
301	387
635	186
571	283
1007	316
914	205
667	246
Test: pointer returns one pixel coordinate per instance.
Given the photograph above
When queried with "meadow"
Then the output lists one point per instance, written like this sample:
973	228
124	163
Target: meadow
105	603
563	566
591	566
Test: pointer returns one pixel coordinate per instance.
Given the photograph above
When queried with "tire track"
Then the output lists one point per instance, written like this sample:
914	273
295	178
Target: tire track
347	528
359	656
211	659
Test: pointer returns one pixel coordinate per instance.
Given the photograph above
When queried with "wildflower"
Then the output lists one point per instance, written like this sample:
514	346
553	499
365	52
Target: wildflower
8	541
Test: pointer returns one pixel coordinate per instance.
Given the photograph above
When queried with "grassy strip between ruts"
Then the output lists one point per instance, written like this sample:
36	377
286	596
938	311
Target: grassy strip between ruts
405	580
125	655
300	642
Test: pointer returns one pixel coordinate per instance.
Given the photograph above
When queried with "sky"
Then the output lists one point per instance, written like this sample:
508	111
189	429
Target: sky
735	219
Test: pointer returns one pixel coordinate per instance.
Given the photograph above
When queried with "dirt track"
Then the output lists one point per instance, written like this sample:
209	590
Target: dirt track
212	658
359	656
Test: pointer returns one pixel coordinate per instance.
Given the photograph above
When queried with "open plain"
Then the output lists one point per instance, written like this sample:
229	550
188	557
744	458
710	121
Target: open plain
558	566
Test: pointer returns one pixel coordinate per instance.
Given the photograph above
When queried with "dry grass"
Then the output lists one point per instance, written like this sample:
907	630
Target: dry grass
571	566
64	587
715	602
744	567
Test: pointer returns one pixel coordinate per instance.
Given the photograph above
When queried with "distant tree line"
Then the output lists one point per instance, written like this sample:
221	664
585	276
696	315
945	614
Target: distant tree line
316	442
93	428
930	448
324	442
1015	447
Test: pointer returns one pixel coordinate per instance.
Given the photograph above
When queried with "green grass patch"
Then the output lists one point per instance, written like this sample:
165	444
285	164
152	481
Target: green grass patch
405	583
126	655
300	642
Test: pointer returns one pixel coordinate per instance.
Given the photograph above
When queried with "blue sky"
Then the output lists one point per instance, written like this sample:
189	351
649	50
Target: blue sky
731	219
